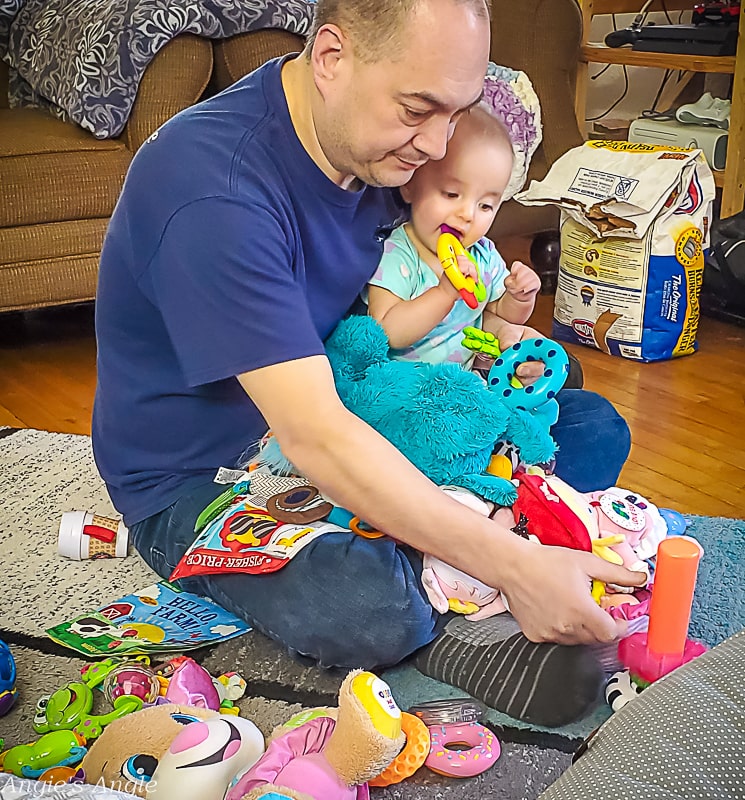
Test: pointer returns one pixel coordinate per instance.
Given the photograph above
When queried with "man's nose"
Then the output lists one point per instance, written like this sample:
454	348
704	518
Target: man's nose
433	136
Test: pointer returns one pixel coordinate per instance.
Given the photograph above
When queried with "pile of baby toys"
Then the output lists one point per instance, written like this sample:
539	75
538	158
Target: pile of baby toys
173	728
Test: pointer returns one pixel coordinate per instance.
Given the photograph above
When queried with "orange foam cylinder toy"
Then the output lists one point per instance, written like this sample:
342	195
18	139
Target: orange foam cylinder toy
665	646
672	595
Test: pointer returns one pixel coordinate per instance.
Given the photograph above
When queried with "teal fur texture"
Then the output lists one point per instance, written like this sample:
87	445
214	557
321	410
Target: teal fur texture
443	418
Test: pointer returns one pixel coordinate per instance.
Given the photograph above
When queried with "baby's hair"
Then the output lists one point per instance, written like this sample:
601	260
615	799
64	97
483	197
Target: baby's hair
481	121
376	26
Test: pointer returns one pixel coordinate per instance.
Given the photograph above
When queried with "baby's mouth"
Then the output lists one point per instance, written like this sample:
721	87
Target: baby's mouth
447	229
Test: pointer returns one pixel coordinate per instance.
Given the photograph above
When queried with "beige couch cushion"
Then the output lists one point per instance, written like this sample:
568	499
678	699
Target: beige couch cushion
245	52
51	264
52	171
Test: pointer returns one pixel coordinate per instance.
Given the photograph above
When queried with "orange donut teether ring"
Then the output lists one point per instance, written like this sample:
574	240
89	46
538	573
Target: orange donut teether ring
482	749
414	754
355	525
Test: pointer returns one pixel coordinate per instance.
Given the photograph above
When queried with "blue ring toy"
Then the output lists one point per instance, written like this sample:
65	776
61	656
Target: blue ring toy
545	388
8	691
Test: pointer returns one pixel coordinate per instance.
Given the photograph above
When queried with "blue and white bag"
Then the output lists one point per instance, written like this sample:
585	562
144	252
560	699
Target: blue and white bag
634	232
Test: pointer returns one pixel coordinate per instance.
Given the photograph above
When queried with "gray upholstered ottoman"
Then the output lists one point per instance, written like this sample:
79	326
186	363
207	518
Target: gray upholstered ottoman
683	738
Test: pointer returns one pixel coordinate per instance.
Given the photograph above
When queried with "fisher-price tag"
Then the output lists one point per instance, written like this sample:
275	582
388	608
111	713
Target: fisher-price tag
258	534
230	476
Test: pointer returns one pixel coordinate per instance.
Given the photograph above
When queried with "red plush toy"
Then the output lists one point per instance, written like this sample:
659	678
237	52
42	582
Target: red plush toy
553	512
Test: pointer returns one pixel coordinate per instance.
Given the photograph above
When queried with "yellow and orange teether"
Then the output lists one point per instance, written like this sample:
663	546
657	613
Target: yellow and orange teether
448	249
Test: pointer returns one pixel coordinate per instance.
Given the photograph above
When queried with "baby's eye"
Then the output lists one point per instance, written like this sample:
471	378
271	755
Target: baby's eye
450	195
487	207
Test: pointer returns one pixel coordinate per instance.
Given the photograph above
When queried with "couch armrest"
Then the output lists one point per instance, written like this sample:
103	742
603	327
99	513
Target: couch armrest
3	84
175	79
542	38
245	52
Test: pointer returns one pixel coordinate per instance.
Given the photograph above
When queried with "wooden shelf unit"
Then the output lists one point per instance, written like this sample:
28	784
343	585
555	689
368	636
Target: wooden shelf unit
638	58
732	179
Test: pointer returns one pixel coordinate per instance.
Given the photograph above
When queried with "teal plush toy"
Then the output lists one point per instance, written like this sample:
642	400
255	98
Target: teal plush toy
443	418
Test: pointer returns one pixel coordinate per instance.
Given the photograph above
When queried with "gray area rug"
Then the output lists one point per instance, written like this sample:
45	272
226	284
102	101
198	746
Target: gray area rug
43	475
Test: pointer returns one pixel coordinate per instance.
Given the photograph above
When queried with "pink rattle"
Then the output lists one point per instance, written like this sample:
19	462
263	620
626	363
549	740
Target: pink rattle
132	678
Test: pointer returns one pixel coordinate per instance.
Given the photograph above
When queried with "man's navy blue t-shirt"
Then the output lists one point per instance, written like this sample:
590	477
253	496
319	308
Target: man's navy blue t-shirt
229	250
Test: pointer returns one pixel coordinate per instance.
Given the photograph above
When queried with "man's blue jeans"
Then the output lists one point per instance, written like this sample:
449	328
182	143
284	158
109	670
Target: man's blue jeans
347	601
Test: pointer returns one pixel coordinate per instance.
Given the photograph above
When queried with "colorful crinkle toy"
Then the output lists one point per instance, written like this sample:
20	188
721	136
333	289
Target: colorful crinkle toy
166	752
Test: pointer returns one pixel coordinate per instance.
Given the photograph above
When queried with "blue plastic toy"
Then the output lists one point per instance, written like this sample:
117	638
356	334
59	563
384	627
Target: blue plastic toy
676	522
546	388
8	693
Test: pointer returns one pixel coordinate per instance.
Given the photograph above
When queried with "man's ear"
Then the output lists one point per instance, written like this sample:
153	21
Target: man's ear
330	47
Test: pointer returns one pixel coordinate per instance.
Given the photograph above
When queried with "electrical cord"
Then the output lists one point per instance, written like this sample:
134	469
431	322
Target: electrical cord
661	116
665	77
642	15
601	72
623	95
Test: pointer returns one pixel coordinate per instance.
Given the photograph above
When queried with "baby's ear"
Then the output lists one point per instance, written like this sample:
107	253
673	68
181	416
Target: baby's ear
405	192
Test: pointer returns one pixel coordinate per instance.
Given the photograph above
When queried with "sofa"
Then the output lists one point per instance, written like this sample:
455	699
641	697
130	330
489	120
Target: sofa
59	184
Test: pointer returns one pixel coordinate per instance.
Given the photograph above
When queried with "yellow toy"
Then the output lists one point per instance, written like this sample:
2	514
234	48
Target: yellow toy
449	248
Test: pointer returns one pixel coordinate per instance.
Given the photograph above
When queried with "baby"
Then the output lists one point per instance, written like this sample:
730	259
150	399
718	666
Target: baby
409	294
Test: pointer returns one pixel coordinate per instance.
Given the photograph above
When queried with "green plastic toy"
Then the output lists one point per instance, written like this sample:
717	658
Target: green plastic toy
485	343
54	749
219	504
69	708
481	342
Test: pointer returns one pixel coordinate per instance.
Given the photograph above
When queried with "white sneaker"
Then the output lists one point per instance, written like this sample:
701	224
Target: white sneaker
707	110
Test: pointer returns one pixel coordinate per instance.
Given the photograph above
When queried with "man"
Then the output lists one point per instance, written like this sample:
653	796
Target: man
246	227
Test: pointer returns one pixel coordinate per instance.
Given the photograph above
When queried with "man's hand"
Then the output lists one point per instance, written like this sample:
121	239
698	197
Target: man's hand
522	283
549	595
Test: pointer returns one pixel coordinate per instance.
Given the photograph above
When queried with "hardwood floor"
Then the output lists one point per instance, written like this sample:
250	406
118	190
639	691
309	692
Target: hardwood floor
687	416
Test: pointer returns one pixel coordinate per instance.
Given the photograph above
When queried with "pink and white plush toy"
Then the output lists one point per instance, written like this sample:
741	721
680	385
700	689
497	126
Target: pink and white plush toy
618	525
633	520
450	589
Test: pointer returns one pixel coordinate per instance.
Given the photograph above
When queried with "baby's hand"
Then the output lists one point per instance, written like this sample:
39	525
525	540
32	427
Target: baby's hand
466	266
448	289
522	282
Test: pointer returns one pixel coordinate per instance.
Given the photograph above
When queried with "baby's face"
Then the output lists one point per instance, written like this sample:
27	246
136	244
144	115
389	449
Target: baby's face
463	190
